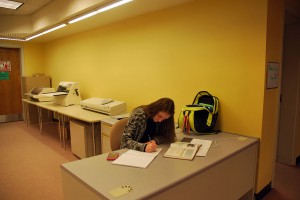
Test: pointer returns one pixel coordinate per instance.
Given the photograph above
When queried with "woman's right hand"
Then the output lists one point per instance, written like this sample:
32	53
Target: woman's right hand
151	147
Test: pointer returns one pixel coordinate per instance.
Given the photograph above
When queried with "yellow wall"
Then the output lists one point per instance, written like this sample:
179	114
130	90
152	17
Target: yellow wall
217	45
175	52
33	59
267	154
32	56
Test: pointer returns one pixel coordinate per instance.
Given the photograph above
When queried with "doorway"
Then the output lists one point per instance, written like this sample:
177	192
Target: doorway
289	121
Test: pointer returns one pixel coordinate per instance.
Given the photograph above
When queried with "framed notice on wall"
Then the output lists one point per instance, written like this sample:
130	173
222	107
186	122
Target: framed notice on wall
272	75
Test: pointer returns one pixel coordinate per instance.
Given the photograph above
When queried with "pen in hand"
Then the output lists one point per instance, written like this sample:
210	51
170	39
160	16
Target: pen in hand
151	147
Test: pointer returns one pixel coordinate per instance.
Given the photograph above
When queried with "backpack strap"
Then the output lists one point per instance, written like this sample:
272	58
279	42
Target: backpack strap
190	114
186	121
201	93
216	103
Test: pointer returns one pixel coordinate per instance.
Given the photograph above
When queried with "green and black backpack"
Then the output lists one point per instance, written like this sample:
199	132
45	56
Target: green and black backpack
201	116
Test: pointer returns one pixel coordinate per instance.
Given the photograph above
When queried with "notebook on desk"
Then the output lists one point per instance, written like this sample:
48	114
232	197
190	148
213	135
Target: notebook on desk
135	158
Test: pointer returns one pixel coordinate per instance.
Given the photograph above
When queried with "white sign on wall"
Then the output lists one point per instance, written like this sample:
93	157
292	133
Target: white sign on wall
272	75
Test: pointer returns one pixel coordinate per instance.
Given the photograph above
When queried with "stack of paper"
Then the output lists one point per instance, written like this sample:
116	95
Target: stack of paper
205	145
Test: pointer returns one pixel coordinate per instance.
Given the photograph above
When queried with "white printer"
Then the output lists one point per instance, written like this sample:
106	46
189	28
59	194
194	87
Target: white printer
67	93
105	106
37	94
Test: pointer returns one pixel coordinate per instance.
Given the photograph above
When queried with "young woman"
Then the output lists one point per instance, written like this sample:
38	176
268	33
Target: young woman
150	125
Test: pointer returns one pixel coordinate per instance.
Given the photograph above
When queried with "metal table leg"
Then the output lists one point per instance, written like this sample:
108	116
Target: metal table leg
93	137
40	113
60	127
26	113
64	132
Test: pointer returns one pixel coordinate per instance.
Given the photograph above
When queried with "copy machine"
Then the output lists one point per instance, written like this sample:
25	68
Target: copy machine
37	94
105	106
67	93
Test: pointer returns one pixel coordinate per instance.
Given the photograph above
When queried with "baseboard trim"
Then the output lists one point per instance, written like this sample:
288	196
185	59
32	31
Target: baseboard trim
11	118
263	192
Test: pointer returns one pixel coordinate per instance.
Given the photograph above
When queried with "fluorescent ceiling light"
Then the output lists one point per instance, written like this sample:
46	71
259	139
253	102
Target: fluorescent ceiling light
113	5
10	4
119	3
47	31
83	17
15	39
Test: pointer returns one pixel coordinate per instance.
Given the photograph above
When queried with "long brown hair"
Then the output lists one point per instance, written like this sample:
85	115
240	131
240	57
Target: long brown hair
166	128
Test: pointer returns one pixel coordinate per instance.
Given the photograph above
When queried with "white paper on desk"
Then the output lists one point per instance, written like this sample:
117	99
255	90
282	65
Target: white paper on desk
136	158
205	145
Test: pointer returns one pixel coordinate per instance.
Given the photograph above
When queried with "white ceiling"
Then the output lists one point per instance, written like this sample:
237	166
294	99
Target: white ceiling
28	8
57	11
46	13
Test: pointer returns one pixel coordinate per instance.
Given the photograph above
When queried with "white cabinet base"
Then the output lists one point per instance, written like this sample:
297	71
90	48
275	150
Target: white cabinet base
82	139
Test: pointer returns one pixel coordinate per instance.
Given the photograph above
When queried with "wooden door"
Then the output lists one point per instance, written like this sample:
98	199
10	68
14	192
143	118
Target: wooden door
10	84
